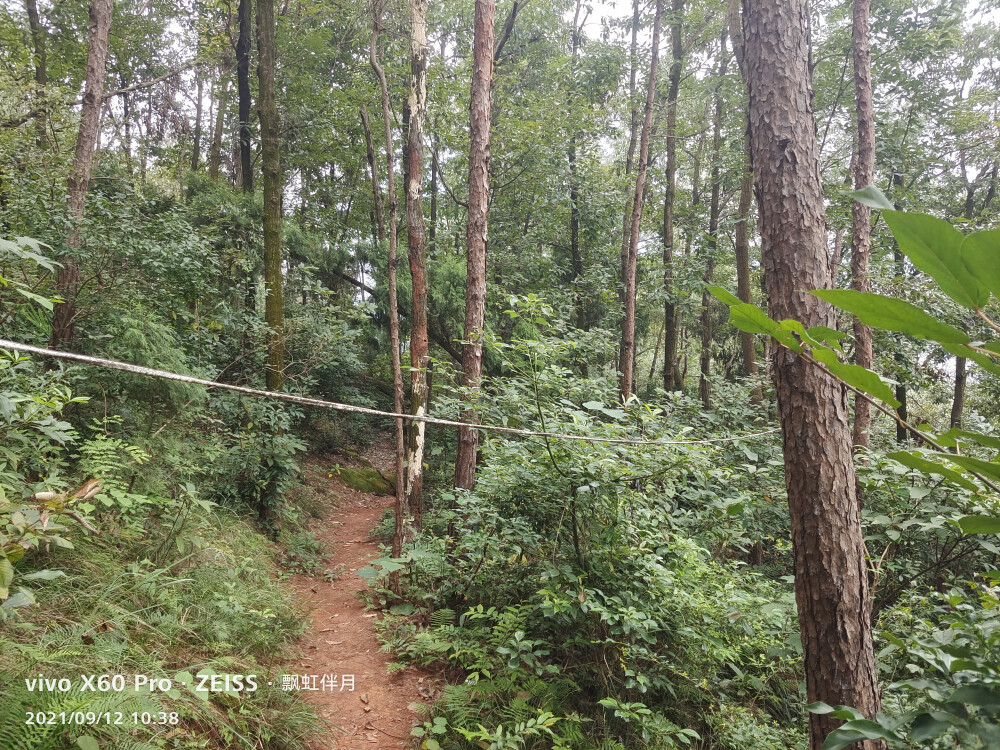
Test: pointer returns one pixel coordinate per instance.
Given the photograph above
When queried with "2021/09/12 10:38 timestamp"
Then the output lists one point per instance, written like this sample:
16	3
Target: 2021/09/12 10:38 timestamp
90	718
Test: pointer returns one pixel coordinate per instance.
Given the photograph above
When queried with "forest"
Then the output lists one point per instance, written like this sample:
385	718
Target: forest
584	375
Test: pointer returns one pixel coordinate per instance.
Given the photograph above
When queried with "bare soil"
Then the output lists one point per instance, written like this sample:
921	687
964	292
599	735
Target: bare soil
341	639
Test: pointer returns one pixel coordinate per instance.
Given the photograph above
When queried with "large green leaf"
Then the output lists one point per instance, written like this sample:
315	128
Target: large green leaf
981	254
935	247
6	576
872	196
979	525
855	731
950	438
892	314
861	378
983	360
918	462
986	468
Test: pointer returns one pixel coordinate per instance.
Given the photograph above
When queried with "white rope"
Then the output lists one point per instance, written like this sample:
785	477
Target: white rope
307	401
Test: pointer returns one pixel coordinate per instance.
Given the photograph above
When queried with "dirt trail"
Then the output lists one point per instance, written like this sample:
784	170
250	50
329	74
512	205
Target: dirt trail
341	639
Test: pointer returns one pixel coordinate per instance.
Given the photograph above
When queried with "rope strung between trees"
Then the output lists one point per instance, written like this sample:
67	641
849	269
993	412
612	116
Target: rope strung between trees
350	408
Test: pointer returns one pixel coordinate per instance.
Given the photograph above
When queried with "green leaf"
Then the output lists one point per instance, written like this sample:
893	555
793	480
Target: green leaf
853	731
86	742
6	576
724	295
981	254
975	695
935	247
861	378
925	727
368	572
44	575
950	438
402	609
873	197
979	525
892	314
751	319
986	468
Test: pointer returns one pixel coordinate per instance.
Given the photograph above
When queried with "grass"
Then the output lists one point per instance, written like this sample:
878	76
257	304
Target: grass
216	606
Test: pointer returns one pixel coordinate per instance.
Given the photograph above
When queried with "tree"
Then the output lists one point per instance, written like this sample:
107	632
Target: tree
672	380
831	576
401	521
243	94
476	232
626	359
714	211
864	173
68	278
417	252
270	158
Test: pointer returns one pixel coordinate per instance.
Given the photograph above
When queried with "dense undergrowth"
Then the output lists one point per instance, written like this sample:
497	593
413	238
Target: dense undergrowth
608	596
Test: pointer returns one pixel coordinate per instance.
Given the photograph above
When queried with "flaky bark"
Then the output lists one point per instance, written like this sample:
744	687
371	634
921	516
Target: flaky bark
397	367
864	174
672	380
68	278
831	577
476	234
243	92
417	252
626	360
270	159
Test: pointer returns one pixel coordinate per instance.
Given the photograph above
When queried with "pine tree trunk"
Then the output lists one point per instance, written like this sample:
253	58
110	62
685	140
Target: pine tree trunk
41	69
864	174
626	360
270	159
215	150
958	397
243	91
831	576
476	234
373	170
417	252
199	95
68	278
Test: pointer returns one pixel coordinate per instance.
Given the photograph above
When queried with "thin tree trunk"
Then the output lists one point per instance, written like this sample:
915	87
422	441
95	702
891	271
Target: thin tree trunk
626	360
274	313
243	86
196	145
705	361
373	169
671	373
861	214
397	368
831	576
958	400
417	252
41	70
576	258
215	150
633	137
68	278
476	235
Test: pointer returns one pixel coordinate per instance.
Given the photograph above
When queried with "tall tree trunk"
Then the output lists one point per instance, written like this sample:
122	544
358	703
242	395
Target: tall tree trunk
671	373
199	94
576	257
633	138
705	361
476	234
243	86
270	159
215	150
864	174
741	240
958	400
373	169
417	252
831	576
41	69
626	359
397	367
68	278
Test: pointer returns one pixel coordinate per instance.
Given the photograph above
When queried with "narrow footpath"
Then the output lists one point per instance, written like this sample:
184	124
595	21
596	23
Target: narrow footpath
341	640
